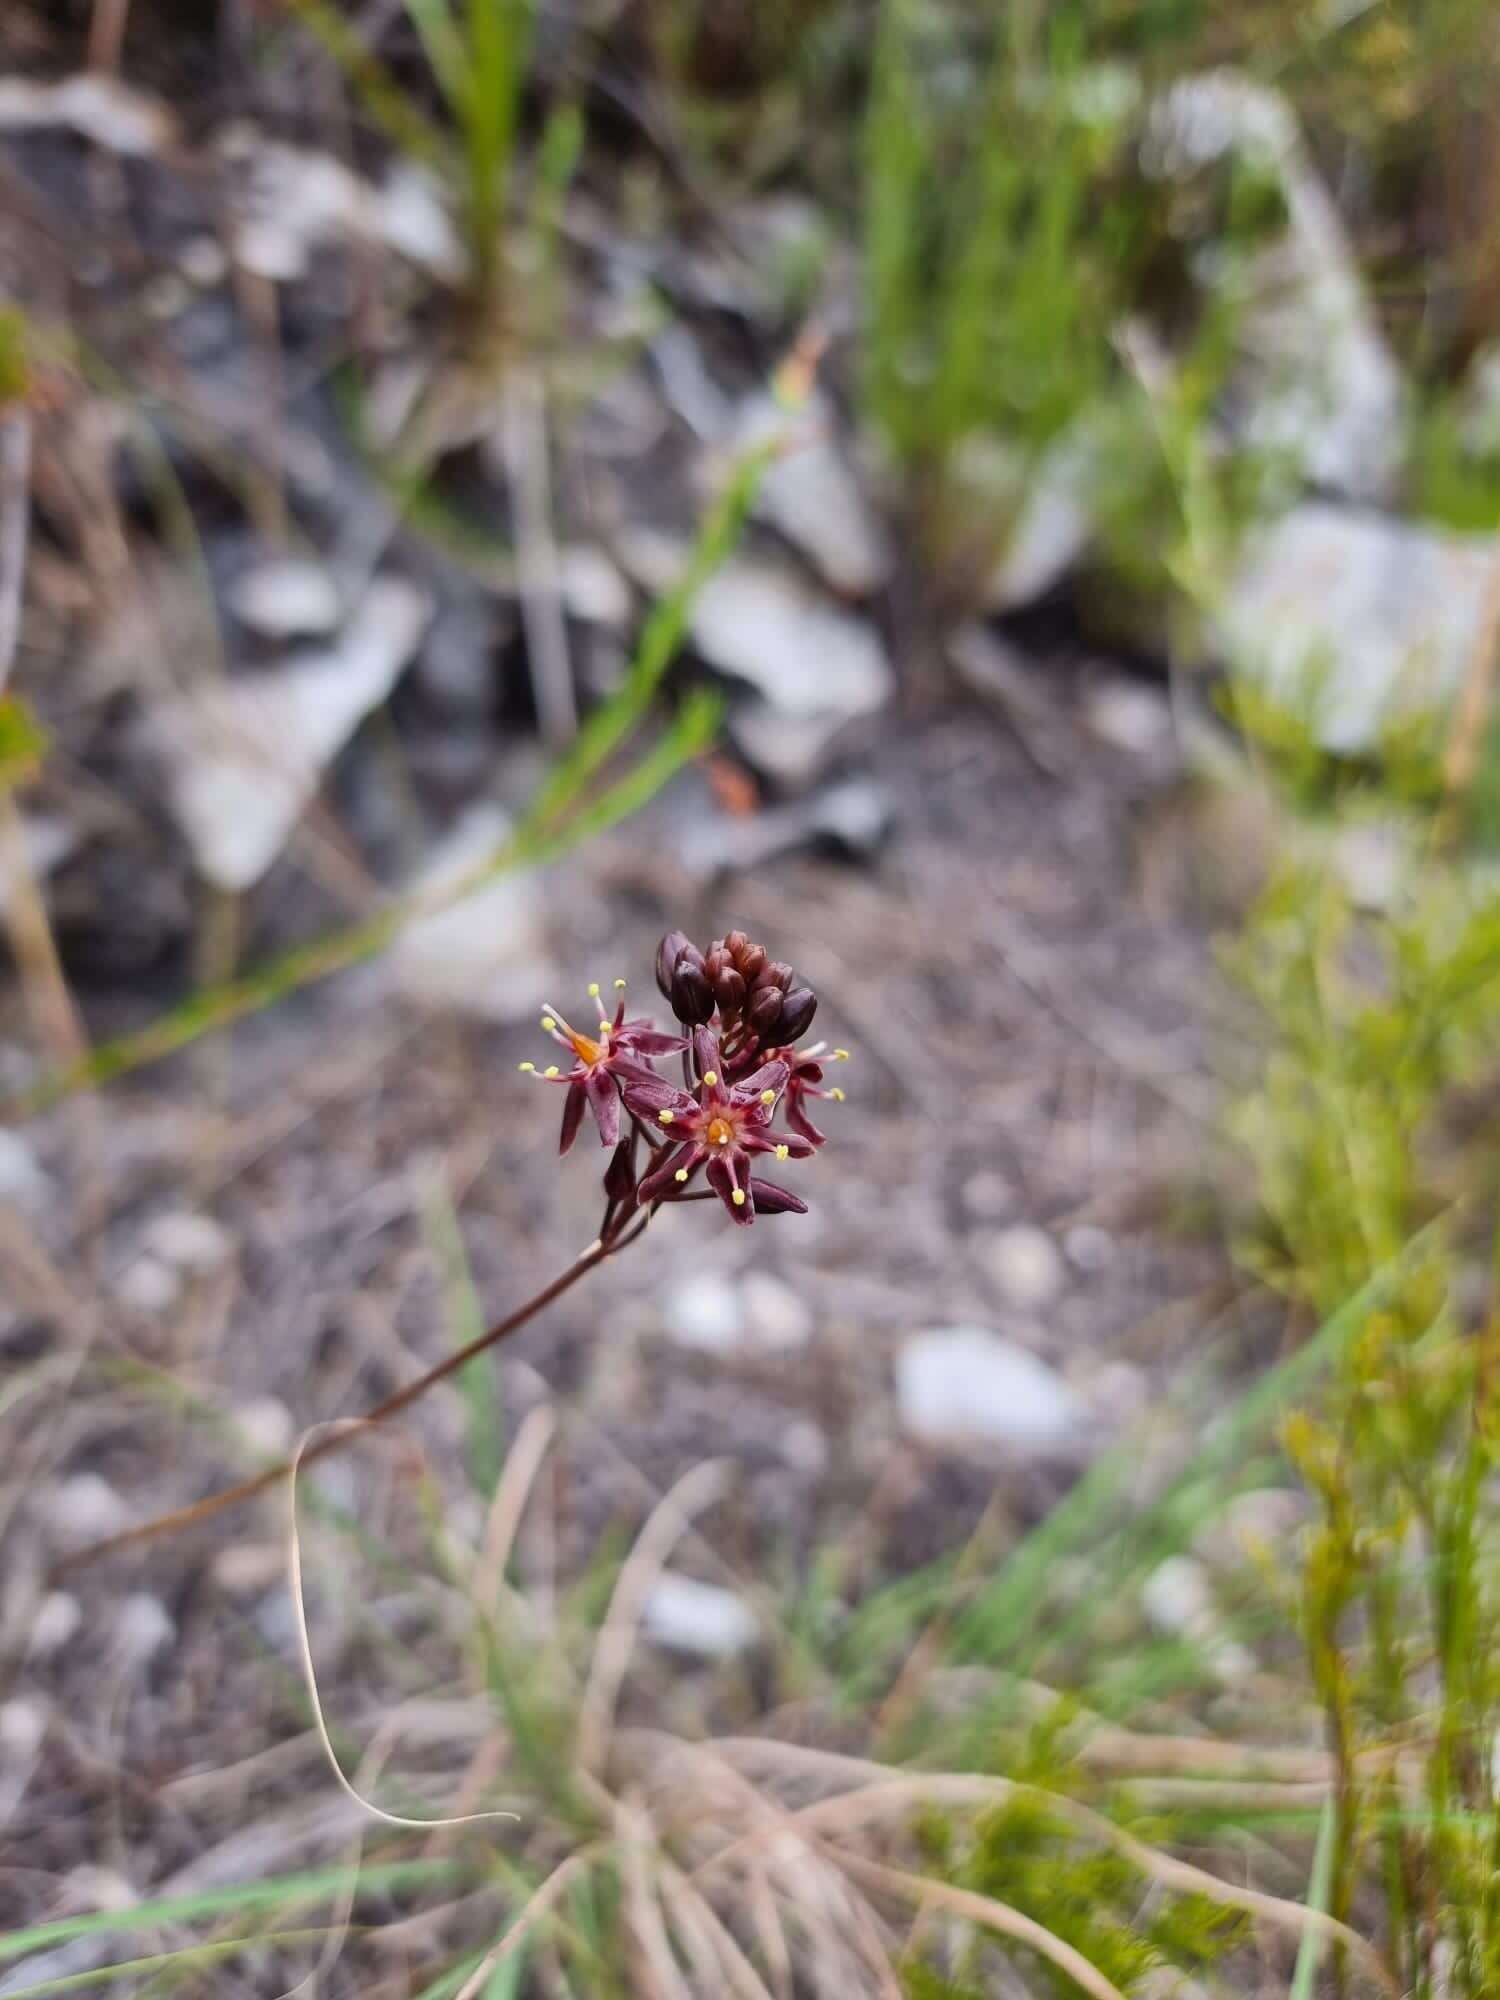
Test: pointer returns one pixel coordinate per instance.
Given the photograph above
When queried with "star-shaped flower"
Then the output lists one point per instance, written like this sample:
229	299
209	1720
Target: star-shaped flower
603	1065
724	1126
804	1080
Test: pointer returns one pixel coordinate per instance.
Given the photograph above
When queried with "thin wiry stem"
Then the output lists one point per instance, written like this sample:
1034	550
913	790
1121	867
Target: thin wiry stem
621	1236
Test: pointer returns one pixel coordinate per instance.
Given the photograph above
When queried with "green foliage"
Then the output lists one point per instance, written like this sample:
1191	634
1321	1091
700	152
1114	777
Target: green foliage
15	369
23	742
1026	1855
1376	1023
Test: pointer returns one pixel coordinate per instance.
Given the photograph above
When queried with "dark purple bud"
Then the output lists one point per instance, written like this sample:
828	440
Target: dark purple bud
671	948
619	1175
765	1009
730	989
772	1200
691	995
797	1012
777	975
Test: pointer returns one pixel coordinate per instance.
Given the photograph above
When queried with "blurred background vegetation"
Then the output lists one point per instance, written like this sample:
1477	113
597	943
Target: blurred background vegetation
1002	501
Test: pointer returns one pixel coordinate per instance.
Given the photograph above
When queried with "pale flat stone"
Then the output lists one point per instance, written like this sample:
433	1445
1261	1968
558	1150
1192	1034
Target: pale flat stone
488	954
246	756
698	1618
965	1383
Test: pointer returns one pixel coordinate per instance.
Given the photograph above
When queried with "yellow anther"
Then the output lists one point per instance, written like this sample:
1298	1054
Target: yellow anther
768	1097
664	1117
710	1076
841	1055
548	1023
526	1068
550	1070
680	1175
594	990
836	1094
738	1197
619	986
783	1152
604	1029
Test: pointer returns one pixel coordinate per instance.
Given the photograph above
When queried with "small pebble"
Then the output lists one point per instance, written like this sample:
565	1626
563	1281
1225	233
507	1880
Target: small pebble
804	1447
266	1426
148	1286
90	1888
84	1509
204	262
287	599
704	1310
247	1569
698	1618
1025	1265
988	1195
966	1383
23	1724
191	1242
23	1181
777	1316
143	1627
1178	1599
53	1624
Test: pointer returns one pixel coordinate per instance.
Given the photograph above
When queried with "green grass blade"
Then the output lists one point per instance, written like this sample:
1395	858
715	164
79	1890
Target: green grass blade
1309	1957
315	1885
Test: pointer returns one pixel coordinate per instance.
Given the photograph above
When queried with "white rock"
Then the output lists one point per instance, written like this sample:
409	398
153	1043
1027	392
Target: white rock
698	1618
148	1286
99	108
23	1724
810	495
987	1194
190	1241
593	590
84	1509
294	202
965	1383
1129	716
246	756
143	1628
204	262
24	1182
288	598
248	1569
804	1447
90	1888
705	1310
793	750
1356	619
54	1623
759	621
488	953
1320	382
1178	1599
266	1425
776	1317
1026	1266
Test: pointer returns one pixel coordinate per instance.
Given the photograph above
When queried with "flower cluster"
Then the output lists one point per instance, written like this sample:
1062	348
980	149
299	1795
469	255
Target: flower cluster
743	1012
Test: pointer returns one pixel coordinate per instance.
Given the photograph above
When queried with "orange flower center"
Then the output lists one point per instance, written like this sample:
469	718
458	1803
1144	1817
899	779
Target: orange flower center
720	1132
588	1050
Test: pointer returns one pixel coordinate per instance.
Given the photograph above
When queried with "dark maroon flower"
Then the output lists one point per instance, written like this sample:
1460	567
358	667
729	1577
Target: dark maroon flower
602	1065
721	1127
804	1080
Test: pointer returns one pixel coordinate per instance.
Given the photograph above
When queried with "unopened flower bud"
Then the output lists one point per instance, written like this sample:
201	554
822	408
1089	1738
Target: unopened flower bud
777	974
730	989
797	1012
692	997
671	948
765	1009
772	1200
619	1175
735	945
752	963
